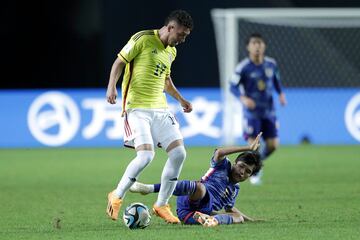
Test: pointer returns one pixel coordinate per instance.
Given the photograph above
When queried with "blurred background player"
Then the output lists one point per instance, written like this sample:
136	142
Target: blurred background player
254	81
148	56
202	201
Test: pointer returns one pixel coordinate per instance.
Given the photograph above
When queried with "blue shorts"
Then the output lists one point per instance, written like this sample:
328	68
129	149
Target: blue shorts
186	208
253	126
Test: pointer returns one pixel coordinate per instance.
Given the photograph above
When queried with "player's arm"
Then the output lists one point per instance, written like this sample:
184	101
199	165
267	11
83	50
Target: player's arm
133	47
172	90
221	153
116	70
278	87
232	216
282	99
234	84
248	102
238	217
237	89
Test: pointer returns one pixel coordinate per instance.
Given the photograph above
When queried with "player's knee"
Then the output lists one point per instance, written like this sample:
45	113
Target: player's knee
145	157
199	192
201	189
178	154
174	163
182	153
272	147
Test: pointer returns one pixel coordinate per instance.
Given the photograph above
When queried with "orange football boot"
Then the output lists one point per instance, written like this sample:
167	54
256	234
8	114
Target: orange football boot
165	213
113	207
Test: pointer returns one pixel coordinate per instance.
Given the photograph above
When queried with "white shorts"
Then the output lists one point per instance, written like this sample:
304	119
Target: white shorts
157	127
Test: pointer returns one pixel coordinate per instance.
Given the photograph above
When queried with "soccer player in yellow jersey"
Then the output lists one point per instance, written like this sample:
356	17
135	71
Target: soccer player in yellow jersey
147	59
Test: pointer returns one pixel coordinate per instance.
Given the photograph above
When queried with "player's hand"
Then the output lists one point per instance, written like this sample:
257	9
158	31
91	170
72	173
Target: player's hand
248	102
258	220
256	143
187	107
282	99
247	219
111	95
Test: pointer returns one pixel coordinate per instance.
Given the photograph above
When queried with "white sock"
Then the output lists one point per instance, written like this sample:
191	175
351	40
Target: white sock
142	159
170	174
149	187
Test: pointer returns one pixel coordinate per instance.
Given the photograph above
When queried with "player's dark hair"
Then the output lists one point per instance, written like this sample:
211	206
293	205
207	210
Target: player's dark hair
181	17
254	35
251	158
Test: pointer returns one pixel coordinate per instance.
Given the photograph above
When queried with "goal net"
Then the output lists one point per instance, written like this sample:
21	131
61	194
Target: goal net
314	48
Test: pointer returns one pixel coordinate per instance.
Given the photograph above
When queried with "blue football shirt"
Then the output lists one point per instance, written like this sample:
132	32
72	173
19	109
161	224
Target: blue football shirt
257	82
217	183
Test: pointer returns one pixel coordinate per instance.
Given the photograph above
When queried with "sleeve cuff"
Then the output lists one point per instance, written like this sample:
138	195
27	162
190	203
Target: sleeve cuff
122	58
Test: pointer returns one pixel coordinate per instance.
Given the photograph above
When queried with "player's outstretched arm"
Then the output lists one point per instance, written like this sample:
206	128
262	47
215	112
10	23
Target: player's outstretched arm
116	70
221	153
171	89
236	215
239	217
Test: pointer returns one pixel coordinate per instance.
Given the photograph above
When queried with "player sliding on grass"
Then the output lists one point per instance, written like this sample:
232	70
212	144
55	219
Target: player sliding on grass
201	201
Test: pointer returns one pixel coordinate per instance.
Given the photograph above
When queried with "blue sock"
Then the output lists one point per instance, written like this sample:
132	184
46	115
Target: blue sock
183	187
265	152
157	187
224	218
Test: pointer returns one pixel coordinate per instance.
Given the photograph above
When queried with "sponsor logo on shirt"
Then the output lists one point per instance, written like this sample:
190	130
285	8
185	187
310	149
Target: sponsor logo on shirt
261	85
269	72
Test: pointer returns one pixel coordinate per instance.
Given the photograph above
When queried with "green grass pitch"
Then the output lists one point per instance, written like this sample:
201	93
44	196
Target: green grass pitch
309	192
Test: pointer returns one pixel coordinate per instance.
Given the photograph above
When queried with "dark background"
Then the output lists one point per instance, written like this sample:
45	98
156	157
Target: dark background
72	44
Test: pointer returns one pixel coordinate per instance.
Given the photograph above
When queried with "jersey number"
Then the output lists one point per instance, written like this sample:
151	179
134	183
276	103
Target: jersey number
172	119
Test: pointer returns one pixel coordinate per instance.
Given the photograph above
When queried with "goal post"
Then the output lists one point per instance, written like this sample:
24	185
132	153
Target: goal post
315	47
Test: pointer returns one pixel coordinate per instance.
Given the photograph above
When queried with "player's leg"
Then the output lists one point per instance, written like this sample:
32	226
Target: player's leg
169	178
194	208
202	203
194	189
269	127
204	215
166	132
171	171
143	144
271	145
252	127
182	188
144	155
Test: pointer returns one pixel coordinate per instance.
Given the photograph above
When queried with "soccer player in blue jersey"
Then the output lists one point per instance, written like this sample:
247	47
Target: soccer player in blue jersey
201	201
254	81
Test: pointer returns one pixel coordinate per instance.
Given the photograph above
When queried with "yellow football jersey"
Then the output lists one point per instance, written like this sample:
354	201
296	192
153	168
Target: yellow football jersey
148	65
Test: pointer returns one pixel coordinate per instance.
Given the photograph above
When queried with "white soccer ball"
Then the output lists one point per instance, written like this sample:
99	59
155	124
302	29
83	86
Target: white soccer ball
137	215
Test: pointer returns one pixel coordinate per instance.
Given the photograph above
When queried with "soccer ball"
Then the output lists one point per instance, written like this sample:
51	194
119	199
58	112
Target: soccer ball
136	215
